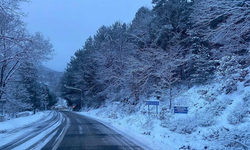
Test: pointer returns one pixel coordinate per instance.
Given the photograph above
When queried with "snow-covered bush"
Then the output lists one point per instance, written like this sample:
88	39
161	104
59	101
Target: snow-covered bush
183	126
247	83
229	139
165	113
240	112
208	116
205	119
237	115
209	97
144	111
202	92
243	75
208	94
246	100
218	107
113	115
229	86
228	65
237	139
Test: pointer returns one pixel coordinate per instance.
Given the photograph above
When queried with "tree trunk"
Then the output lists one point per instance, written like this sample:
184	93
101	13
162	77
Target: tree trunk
170	97
34	110
137	92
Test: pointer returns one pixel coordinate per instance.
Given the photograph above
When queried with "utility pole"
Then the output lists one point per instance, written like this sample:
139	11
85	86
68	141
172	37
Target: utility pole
68	87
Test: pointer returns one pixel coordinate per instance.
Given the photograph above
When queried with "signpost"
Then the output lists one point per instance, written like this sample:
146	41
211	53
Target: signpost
156	103
180	110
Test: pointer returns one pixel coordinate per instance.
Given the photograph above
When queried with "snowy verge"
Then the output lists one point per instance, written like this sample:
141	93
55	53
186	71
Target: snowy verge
218	118
22	121
22	133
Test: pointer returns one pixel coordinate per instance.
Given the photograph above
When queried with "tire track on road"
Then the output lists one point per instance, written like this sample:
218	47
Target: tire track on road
35	131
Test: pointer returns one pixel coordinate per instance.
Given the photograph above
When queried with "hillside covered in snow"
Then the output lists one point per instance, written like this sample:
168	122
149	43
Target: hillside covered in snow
182	53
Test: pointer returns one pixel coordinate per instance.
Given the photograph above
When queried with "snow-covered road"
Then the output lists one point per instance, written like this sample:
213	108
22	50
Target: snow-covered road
60	130
83	132
31	132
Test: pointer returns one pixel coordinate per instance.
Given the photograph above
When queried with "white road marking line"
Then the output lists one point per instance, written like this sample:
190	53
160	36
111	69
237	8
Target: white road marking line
80	130
42	144
62	135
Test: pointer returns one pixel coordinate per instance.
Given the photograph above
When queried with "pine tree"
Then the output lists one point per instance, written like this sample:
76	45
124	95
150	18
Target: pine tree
203	65
172	19
29	78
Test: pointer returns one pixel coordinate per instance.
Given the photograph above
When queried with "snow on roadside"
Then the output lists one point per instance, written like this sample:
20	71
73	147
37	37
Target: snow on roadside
207	126
9	130
22	121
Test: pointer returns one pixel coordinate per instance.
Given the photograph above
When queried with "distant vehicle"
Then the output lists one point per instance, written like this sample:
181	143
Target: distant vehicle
76	107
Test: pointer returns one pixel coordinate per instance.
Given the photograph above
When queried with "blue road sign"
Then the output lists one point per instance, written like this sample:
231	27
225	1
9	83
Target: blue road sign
152	102
180	110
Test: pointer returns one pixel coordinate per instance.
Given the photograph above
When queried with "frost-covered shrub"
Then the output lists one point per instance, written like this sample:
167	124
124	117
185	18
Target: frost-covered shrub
239	114
128	109
243	75
165	113
182	126
218	107
229	139
205	119
113	115
146	133
229	86
208	116
247	83
246	100
209	98
131	110
228	65
202	92
144	111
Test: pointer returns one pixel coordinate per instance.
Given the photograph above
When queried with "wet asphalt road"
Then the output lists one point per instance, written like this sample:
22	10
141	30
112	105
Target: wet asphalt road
82	133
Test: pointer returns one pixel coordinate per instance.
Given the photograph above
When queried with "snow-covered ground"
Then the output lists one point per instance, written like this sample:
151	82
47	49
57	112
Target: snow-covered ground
25	132
22	121
218	117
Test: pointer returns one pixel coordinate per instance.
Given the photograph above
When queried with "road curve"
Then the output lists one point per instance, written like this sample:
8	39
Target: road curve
33	135
83	133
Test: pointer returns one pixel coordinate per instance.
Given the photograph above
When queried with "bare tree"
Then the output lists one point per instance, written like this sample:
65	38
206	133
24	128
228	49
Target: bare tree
169	73
16	44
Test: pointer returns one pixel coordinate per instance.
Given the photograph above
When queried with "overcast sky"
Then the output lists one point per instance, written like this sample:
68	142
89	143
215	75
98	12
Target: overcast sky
68	23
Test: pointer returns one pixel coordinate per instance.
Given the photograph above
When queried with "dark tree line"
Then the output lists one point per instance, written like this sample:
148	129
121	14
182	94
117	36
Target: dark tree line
157	51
